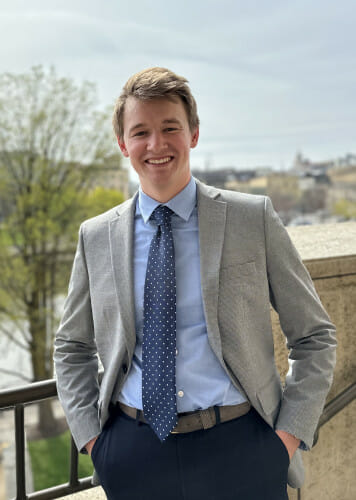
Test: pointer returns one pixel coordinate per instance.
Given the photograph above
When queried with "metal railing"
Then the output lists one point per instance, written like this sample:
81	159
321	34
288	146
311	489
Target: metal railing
331	409
17	399
38	391
337	404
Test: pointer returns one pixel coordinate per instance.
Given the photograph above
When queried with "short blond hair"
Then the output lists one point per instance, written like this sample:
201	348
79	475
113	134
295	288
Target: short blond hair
155	83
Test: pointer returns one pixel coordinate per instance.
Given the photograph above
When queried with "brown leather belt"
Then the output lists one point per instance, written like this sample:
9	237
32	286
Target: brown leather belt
196	420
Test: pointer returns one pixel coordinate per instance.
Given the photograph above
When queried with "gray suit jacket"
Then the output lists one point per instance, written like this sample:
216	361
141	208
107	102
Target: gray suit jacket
247	261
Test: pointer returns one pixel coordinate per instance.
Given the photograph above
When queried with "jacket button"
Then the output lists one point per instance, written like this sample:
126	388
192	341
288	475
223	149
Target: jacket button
124	368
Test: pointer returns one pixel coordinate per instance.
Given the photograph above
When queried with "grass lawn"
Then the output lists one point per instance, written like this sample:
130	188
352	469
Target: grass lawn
50	461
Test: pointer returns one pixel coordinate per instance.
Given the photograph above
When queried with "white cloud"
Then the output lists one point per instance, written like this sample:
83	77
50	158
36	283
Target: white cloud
269	77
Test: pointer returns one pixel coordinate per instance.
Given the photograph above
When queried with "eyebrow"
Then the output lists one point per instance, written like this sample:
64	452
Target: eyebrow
165	122
172	120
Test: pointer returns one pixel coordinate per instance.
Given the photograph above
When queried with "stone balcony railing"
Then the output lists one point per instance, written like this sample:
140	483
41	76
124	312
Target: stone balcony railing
329	252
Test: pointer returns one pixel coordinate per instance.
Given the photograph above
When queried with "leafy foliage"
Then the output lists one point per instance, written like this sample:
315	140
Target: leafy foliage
345	208
53	140
100	200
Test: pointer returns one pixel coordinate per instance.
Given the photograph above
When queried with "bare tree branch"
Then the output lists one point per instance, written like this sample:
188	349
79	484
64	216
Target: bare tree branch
11	337
17	374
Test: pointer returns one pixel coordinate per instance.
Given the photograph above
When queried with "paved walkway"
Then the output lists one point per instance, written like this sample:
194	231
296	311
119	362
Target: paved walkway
93	494
8	453
8	450
2	479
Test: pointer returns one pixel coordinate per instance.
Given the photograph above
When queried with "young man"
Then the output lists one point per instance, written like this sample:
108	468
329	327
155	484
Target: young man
172	289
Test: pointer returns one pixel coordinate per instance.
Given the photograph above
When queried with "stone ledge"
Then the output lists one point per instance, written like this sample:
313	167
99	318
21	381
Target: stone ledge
96	493
327	250
324	241
335	267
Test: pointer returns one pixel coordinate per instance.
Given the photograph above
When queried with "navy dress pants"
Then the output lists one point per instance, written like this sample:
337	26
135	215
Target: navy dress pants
243	459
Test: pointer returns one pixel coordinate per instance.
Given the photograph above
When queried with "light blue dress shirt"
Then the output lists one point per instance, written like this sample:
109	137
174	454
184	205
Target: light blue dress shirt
201	381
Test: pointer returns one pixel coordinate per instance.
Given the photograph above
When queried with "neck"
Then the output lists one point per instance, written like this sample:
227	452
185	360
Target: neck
164	195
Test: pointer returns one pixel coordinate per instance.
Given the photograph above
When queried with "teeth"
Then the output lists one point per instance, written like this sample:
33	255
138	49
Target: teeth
158	162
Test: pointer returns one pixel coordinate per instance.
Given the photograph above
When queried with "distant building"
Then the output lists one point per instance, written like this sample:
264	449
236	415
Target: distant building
349	160
253	185
245	180
283	189
343	181
111	175
302	164
304	194
217	177
309	180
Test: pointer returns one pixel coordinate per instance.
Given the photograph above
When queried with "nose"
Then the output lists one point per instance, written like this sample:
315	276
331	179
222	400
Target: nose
156	142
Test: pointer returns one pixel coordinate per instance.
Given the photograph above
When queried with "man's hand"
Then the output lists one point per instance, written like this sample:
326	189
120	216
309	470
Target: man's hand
89	446
289	441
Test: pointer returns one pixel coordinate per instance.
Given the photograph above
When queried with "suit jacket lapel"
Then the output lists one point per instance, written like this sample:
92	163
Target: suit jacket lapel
121	247
212	219
212	226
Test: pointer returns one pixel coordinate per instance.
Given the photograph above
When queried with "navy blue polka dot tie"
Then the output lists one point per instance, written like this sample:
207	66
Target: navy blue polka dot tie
159	329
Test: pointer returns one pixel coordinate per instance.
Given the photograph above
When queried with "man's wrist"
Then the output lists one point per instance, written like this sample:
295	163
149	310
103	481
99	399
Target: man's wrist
290	442
90	444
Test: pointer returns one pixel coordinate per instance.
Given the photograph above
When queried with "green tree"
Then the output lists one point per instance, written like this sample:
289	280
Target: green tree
345	208
101	199
51	136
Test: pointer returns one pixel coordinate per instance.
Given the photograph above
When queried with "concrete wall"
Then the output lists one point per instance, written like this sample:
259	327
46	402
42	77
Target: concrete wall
329	252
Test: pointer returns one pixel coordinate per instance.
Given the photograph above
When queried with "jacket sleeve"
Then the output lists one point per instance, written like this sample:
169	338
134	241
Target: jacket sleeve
75	355
310	335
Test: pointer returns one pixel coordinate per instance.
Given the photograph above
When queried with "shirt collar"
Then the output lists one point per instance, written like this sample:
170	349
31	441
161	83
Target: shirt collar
182	204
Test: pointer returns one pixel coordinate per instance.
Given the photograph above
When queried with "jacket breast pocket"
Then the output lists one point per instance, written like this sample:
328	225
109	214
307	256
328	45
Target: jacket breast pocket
238	269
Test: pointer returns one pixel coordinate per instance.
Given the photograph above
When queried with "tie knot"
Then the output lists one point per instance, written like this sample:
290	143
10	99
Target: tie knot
162	215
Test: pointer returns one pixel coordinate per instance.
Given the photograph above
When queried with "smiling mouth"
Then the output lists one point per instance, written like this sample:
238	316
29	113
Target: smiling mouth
159	161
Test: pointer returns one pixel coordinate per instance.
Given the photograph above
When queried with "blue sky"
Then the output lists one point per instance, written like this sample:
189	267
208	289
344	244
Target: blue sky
270	77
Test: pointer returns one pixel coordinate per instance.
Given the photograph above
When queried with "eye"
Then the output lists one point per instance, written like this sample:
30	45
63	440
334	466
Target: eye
139	134
170	129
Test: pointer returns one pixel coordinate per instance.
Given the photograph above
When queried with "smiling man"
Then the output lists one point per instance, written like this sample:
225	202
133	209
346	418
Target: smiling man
172	289
157	139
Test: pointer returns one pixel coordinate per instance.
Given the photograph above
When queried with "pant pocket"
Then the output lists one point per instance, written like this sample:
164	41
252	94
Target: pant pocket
97	444
98	451
282	446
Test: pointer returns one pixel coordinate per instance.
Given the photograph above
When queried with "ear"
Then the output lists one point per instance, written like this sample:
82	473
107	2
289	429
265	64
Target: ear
123	148
195	137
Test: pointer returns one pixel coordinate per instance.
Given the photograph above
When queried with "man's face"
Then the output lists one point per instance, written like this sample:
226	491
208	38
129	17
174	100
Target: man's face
157	139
